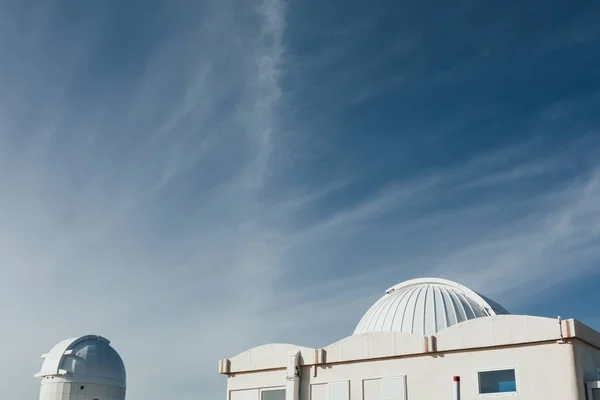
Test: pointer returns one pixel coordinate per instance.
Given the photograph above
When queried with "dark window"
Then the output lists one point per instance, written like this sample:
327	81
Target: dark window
82	387
500	381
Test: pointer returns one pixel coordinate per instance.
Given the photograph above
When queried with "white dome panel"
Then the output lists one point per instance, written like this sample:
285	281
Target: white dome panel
425	306
87	359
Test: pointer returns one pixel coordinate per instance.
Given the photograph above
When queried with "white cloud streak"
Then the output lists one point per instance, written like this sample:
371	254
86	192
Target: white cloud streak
135	208
89	191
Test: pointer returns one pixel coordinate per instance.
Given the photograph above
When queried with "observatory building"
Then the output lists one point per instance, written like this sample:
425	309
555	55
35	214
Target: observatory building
429	339
83	368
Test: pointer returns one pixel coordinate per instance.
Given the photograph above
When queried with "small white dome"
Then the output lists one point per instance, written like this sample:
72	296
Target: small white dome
87	359
425	306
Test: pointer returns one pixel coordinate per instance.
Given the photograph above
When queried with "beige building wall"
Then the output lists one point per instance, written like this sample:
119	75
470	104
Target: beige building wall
587	359
552	360
543	371
80	391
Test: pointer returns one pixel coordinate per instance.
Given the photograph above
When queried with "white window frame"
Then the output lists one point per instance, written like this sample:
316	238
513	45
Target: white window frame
269	389
503	368
362	385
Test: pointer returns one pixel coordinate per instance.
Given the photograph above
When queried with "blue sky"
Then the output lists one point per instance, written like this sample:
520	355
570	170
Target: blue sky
193	178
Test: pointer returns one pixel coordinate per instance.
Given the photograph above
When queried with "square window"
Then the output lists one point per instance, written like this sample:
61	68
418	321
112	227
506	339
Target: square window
82	387
276	394
499	381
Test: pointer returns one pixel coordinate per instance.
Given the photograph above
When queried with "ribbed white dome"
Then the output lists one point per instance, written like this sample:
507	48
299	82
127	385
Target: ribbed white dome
87	359
425	306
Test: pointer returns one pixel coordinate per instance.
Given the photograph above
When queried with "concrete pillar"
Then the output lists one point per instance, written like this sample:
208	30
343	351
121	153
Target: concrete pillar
292	387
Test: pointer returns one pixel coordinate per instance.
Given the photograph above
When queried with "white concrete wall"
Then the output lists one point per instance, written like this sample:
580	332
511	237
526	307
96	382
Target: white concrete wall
588	361
269	356
587	358
586	333
374	345
501	330
73	391
587	354
247	394
546	366
544	371
256	380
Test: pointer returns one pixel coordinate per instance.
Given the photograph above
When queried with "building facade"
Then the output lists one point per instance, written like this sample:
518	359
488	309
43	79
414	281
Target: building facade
82	368
416	341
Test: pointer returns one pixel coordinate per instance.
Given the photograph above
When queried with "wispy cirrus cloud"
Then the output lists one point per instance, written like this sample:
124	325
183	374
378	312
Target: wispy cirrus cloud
182	178
130	188
503	233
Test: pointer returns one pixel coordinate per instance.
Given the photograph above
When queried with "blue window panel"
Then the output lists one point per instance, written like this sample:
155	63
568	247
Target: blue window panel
510	386
500	381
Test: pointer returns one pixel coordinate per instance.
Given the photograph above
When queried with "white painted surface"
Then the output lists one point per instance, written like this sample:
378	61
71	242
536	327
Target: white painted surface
249	394
587	359
425	306
78	391
393	388
372	389
265	356
338	390
318	392
83	368
543	373
552	359
292	389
